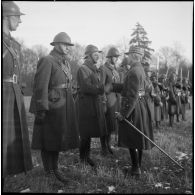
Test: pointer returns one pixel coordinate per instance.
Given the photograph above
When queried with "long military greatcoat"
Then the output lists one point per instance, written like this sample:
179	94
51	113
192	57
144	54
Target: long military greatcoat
58	131
92	121
16	145
112	98
157	100
136	110
149	91
172	103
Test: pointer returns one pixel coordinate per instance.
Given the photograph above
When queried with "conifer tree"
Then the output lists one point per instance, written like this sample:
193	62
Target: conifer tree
139	38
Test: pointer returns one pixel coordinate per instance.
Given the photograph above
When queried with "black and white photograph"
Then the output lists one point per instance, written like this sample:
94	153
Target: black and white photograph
97	97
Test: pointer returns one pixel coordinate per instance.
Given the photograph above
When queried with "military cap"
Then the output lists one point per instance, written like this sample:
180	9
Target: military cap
135	49
125	61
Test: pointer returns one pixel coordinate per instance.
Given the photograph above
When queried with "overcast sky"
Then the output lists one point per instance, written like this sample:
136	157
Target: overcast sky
103	23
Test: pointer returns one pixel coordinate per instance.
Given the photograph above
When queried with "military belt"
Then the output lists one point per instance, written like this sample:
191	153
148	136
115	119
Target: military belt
63	86
13	79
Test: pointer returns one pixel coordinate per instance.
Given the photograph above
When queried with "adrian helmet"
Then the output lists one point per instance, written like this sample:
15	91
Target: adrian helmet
113	52
62	37
11	9
91	49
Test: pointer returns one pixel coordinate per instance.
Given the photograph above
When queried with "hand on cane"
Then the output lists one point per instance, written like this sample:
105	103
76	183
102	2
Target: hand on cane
119	116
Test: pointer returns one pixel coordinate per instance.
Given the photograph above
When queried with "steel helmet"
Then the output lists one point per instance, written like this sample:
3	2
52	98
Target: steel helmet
125	61
113	52
91	49
62	37
11	9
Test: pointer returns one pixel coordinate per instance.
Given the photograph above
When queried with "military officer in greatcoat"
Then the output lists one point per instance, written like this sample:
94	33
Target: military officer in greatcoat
157	102
123	68
55	126
92	121
172	103
112	98
164	95
16	146
149	89
184	98
134	108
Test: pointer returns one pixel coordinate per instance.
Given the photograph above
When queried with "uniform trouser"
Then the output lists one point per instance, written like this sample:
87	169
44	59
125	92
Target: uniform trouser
171	118
105	141
136	157
50	160
84	149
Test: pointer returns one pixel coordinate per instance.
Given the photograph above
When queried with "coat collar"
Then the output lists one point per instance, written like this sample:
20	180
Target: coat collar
7	39
135	64
110	66
90	65
59	57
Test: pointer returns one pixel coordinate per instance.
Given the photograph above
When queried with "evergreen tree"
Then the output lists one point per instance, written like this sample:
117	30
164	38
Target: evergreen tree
139	38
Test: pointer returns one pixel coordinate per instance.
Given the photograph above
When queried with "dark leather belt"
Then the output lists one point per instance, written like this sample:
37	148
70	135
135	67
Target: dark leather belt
13	79
63	86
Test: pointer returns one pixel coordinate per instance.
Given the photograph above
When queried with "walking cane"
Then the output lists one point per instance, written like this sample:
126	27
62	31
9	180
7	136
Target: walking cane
152	142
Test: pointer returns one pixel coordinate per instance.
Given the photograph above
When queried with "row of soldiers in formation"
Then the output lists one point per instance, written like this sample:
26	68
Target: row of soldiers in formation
62	122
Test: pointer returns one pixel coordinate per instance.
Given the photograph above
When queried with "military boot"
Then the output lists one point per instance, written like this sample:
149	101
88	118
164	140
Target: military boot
108	139
60	176
135	170
104	151
50	175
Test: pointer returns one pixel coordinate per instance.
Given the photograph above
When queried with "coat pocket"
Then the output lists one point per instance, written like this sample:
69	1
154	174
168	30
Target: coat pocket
56	98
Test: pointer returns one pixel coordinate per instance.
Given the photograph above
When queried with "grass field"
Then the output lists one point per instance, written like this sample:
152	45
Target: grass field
159	173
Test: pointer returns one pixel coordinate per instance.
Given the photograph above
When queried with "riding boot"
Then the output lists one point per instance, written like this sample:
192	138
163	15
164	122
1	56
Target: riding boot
140	157
177	117
135	170
47	160
85	151
171	117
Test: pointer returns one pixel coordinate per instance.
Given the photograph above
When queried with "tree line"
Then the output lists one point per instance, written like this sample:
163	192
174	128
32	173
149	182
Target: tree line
168	57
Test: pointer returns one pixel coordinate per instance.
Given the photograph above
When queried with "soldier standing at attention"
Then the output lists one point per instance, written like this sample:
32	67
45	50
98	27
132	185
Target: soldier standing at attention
134	108
172	103
149	89
55	126
92	121
16	145
112	98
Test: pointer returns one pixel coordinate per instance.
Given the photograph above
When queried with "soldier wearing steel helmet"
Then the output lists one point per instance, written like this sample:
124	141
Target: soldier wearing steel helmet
92	121
149	89
55	126
123	68
112	98
16	145
134	109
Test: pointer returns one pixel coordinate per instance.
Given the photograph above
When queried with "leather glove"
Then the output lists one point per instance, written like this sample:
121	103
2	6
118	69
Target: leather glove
119	116
41	114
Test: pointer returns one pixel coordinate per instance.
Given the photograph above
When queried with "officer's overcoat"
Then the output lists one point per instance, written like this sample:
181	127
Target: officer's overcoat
149	91
58	131
16	145
136	110
90	107
112	98
157	100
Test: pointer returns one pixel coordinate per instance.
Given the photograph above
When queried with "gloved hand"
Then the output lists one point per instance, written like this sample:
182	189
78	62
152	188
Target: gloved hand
108	88
119	116
41	114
